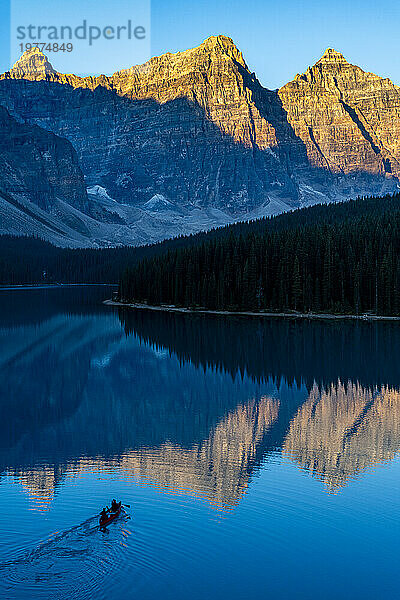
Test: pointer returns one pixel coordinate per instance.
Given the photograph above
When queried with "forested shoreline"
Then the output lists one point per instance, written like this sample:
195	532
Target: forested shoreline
30	260
335	259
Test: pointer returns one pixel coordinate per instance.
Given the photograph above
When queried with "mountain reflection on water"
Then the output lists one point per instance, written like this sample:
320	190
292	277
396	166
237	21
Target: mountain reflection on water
188	403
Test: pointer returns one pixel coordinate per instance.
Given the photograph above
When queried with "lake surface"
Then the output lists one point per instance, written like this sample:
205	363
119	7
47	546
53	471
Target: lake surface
260	458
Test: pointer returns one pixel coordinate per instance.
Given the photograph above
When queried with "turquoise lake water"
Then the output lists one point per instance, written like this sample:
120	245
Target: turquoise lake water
260	458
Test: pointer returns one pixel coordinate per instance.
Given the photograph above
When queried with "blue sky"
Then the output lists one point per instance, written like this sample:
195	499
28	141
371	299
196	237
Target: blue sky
278	38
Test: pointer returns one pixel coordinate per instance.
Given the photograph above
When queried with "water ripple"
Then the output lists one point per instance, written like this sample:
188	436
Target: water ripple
56	569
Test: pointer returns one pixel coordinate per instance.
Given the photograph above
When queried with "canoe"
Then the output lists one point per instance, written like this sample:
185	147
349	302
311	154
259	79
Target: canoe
111	517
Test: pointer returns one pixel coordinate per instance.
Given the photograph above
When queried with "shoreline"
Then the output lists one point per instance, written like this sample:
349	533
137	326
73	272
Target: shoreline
282	315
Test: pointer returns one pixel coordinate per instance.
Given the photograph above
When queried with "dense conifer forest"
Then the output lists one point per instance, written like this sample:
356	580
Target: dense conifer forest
29	260
337	258
326	258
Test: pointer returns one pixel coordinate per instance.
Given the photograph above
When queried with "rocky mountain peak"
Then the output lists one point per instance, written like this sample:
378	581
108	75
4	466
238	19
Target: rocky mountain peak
332	56
196	129
33	63
222	42
335	95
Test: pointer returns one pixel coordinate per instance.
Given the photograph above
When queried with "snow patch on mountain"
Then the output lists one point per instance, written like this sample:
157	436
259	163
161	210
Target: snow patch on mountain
157	202
100	192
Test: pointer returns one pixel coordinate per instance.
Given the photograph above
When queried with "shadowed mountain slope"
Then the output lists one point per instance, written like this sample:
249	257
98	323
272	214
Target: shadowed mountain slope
192	140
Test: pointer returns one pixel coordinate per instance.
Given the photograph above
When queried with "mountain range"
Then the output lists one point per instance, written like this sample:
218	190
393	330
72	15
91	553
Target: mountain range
186	142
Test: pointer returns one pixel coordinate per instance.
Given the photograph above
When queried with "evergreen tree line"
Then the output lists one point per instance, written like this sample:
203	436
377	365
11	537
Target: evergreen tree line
348	264
30	260
25	260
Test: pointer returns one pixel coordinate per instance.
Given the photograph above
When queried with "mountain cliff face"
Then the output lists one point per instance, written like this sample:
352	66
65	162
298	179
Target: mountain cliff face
185	126
39	175
38	165
349	120
198	130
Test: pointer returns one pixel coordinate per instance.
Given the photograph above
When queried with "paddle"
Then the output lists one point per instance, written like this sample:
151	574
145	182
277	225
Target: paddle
127	505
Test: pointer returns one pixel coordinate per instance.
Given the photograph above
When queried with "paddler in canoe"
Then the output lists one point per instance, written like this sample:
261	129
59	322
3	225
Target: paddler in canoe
109	514
115	505
103	515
